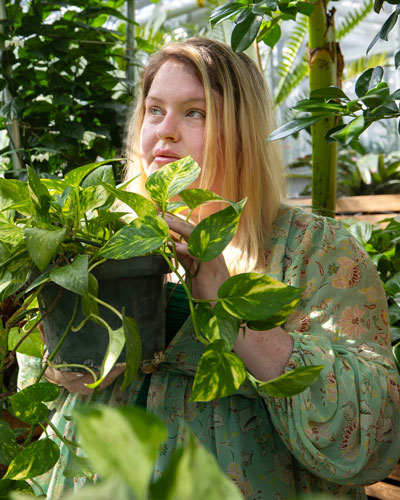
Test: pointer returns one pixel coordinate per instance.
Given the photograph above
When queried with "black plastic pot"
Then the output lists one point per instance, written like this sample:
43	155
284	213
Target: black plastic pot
136	284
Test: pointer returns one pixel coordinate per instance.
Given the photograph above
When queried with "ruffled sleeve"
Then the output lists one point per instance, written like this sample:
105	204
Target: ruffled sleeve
345	427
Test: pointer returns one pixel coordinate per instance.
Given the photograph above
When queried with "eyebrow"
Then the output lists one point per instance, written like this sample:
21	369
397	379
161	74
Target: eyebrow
186	101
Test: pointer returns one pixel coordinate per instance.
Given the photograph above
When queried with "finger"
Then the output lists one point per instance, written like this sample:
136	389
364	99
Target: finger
179	226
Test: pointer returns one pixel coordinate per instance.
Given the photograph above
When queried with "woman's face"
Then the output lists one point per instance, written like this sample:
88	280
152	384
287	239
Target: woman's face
175	118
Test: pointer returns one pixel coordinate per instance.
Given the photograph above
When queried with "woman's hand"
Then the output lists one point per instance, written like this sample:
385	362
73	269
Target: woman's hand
211	274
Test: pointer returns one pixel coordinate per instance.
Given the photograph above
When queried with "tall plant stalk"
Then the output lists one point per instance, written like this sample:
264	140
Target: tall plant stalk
322	59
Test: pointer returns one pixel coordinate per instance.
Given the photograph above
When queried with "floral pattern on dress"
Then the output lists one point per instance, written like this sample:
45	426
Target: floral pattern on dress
340	433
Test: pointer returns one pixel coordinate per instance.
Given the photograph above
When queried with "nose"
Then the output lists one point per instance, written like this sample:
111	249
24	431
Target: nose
168	128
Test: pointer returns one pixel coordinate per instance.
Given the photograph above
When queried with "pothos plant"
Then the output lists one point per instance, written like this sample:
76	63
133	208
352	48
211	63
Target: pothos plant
59	230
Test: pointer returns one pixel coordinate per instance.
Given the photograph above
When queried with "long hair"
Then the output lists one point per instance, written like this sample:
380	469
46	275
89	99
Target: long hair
236	145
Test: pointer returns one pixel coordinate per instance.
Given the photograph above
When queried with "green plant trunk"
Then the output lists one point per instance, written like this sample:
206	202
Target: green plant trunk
322	60
3	353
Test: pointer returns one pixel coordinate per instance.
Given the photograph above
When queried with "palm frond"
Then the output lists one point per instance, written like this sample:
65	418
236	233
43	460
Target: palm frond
358	66
354	18
291	81
291	51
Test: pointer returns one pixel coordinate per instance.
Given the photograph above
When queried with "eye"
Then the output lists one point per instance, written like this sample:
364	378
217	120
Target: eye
154	110
195	113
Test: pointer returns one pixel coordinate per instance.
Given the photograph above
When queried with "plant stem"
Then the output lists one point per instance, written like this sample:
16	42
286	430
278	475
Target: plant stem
64	336
58	433
115	311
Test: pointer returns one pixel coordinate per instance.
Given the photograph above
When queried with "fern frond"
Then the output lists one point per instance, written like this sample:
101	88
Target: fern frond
291	50
291	81
354	18
358	66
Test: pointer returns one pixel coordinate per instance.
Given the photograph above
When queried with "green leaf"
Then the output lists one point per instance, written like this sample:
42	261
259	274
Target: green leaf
76	176
219	373
8	444
43	244
38	193
362	231
368	80
245	32
16	193
215	323
316	105
89	305
214	233
332	92
34	460
276	319
182	481
141	236
128	448
291	383
225	12
115	345
79	467
101	175
31	346
92	197
171	179
397	59
351	131
196	197
272	36
10	233
295	125
255	297
305	8
393	284
138	203
73	277
8	486
28	405
133	349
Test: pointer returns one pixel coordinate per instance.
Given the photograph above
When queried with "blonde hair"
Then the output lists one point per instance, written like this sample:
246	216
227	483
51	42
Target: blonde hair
250	166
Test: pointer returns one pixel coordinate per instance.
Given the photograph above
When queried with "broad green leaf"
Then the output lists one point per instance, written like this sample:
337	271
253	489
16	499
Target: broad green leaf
397	59
291	383
272	36
79	467
368	80
305	8
171	179
16	192
174	207
182	481
351	131
196	197
38	192
219	373
362	231
138	203
332	92
255	297
34	460
214	233
128	448
101	175
276	319
140	237
10	233
387	27
133	349
31	346
9	487
295	125
393	284
115	345
88	304
317	105
245	32
103	490
225	12
43	244
215	323
76	176
92	197
28	405
73	277
8	444
11	282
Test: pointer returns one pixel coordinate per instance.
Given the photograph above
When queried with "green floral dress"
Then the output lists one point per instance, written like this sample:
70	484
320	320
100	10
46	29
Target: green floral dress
340	433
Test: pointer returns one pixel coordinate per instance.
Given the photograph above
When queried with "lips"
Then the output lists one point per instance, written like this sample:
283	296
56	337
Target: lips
164	156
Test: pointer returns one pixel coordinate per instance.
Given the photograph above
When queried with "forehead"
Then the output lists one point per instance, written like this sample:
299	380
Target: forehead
176	78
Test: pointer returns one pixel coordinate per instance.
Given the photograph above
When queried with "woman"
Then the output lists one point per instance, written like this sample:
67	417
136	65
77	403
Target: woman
199	98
